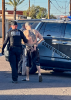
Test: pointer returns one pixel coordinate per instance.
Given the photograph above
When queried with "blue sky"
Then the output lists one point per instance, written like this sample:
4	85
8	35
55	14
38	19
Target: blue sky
57	7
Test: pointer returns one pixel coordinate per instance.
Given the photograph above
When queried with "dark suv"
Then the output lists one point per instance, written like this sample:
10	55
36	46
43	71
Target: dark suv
55	50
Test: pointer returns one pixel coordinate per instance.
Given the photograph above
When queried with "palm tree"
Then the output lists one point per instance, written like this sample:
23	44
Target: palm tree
14	3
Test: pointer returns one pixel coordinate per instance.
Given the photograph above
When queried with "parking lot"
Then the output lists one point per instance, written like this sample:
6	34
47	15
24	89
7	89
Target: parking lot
55	86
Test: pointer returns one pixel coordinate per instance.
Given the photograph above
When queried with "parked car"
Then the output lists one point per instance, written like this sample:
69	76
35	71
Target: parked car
55	50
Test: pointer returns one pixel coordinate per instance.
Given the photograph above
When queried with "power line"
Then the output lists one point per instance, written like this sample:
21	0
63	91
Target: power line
22	7
59	1
57	8
62	7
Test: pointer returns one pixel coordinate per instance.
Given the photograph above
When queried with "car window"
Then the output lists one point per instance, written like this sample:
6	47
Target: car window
52	29
41	27
68	31
20	24
34	25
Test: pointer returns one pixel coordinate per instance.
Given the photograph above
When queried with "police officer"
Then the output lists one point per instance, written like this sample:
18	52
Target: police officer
14	37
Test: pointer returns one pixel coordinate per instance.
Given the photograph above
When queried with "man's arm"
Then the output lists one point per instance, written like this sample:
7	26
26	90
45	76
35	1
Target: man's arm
40	41
40	37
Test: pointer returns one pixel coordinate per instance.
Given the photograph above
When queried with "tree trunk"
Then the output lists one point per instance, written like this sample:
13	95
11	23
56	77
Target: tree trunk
15	13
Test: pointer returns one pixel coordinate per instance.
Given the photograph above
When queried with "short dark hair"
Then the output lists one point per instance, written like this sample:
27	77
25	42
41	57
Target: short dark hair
13	23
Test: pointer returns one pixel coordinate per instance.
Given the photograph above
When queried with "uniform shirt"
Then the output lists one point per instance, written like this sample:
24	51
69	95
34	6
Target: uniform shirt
22	29
14	36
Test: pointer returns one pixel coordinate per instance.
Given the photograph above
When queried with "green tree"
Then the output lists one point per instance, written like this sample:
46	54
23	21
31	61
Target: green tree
42	12
31	13
14	3
36	12
51	17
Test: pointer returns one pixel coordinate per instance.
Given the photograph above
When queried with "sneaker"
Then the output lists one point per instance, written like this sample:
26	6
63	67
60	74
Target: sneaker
40	78
14	81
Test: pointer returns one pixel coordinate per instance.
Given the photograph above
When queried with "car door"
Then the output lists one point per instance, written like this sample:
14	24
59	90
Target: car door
65	48
49	48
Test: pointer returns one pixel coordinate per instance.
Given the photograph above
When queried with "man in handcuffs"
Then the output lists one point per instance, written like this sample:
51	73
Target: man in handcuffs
32	50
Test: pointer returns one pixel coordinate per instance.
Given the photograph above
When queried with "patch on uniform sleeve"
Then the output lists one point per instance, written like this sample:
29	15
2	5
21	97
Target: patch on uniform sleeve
15	33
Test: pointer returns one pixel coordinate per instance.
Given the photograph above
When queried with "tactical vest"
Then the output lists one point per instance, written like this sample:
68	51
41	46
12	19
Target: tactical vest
15	38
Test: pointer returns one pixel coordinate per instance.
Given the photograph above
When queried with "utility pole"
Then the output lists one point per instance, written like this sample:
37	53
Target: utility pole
15	11
65	8
48	9
70	7
3	20
29	7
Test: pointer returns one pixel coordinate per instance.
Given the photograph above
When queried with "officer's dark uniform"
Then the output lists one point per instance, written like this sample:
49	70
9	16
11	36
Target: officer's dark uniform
14	36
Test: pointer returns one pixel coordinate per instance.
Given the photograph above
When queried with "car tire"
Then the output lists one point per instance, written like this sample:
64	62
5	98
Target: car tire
33	69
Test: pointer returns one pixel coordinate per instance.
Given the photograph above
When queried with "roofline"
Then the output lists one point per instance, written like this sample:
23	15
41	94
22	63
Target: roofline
12	10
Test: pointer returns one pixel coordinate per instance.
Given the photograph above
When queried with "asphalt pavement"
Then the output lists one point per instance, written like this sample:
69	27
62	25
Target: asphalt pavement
0	54
55	86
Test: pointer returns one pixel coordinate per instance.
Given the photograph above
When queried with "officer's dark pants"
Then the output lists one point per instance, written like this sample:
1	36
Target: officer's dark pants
15	53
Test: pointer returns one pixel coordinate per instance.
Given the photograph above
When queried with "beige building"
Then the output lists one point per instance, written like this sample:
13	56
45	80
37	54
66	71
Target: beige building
6	27
9	16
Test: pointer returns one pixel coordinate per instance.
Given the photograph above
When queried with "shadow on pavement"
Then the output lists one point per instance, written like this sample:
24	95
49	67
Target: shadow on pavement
34	97
58	74
1	55
50	80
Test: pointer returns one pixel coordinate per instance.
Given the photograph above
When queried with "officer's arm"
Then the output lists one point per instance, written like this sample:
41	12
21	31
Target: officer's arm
5	42
24	38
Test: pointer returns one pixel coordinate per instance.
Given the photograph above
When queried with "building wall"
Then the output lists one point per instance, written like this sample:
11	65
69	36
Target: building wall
6	27
11	12
0	29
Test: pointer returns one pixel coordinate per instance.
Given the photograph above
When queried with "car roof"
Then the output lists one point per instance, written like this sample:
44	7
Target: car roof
68	21
56	20
31	20
28	20
52	20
